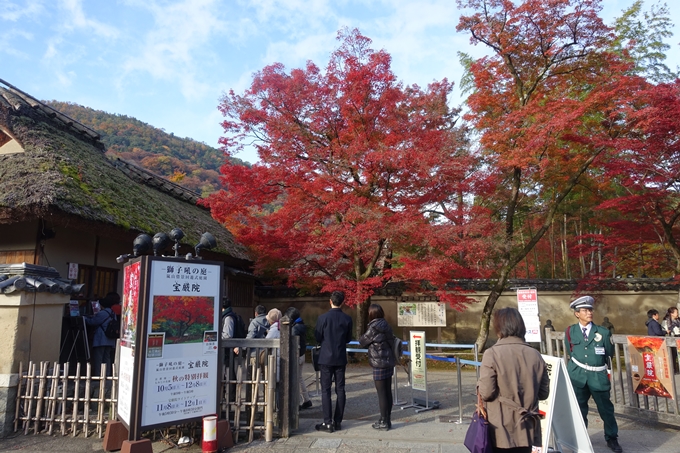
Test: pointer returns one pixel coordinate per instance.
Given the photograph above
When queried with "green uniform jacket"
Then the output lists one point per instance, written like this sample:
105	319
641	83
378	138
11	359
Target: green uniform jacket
593	352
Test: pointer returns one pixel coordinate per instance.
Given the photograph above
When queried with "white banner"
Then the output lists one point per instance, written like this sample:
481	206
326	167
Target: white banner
418	361
527	305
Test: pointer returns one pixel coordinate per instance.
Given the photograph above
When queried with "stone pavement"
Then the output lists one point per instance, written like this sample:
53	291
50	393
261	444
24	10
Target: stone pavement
429	431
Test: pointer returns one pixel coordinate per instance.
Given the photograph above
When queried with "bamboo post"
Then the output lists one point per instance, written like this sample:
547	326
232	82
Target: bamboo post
64	392
76	396
16	411
256	388
101	398
256	370
114	393
41	397
237	402
29	396
54	396
271	398
86	404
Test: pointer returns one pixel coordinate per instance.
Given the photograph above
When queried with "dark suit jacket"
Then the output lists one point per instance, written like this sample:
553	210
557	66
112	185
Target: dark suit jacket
333	331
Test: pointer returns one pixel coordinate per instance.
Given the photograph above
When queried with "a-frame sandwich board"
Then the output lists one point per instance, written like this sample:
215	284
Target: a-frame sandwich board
563	428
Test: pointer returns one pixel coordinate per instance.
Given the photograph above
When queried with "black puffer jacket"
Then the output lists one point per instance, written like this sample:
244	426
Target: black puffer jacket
380	340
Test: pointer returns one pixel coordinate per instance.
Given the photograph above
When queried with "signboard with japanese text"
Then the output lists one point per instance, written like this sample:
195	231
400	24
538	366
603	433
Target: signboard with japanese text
421	314
418	361
527	305
73	271
182	361
650	367
566	432
126	379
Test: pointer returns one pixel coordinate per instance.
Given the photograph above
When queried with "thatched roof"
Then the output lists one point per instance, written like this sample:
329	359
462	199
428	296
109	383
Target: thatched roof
63	176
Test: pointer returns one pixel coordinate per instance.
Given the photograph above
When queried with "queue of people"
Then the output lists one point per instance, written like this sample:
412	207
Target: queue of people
513	375
670	325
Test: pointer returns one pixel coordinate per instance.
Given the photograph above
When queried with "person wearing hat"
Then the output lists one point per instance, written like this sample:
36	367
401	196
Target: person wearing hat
589	347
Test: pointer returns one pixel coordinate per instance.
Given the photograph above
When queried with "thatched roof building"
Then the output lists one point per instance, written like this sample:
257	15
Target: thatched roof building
54	168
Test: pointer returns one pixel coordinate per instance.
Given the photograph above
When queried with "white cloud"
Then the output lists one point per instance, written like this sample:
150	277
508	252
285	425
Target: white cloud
177	44
13	11
76	20
6	38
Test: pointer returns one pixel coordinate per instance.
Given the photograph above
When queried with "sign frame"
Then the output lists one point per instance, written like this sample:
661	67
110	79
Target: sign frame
137	331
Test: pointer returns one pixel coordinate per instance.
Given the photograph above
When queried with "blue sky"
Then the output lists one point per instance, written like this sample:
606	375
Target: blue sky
168	62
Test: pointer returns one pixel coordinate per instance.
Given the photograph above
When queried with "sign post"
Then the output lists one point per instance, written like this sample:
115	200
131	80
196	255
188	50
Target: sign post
419	373
169	351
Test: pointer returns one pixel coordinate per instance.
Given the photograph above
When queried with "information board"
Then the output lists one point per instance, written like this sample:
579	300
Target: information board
182	360
421	314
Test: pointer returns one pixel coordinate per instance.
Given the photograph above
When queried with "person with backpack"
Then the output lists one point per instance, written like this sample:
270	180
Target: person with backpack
105	334
232	325
379	339
259	326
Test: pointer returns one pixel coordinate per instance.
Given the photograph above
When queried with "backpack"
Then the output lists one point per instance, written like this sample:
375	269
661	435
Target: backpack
397	348
113	328
240	330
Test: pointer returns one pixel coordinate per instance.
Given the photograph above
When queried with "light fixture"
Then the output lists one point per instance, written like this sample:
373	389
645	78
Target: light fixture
207	242
160	242
141	245
176	235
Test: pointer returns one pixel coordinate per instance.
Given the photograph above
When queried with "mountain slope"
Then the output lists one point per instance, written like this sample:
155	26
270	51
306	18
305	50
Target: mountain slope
185	161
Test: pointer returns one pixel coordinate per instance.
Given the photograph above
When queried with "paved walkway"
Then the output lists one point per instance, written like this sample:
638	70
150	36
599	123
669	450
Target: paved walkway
430	431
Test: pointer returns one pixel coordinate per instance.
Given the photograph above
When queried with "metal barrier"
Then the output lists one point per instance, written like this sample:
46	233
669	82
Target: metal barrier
458	361
625	399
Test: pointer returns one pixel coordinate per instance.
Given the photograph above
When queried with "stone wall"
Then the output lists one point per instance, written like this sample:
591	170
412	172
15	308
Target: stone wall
627	310
30	330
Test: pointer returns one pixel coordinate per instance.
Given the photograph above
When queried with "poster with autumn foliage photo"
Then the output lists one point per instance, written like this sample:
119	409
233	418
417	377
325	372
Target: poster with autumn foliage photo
650	367
130	304
182	318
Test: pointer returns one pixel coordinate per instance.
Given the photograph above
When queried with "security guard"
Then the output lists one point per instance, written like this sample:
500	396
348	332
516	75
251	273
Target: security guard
589	347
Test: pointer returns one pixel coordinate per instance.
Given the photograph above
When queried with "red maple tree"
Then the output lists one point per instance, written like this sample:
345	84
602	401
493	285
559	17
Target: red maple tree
548	104
177	315
647	168
349	162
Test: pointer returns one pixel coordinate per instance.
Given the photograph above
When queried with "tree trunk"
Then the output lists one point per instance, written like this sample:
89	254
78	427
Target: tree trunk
362	318
488	309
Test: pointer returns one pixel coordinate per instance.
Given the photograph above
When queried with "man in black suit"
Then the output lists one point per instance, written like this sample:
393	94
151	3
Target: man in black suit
333	331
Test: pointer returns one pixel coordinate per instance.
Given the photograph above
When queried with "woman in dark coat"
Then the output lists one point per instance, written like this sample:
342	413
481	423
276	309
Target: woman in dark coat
512	378
380	340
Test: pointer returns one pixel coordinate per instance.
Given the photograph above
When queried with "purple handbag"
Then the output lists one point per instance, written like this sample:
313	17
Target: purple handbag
478	437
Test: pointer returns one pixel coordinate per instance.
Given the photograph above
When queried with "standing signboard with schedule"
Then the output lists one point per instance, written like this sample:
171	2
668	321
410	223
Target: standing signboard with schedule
170	343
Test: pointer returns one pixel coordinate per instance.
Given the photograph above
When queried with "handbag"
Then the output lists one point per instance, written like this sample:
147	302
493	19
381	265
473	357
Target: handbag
316	350
478	436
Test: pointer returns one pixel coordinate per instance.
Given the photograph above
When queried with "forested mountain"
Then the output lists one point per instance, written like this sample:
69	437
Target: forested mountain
187	162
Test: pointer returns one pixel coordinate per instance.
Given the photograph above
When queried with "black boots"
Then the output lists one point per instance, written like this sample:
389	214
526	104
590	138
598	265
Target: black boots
382	424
